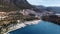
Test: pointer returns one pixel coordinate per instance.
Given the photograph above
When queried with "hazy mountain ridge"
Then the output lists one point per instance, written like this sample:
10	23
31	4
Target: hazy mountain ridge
55	9
10	5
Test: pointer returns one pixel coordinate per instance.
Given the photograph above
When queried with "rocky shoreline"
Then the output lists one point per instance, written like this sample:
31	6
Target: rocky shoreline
20	25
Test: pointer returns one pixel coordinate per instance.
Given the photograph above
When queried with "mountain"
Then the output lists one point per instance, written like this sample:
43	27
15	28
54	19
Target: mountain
42	9
55	9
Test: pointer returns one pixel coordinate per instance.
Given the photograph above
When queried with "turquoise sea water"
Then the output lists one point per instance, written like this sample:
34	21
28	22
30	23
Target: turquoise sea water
41	28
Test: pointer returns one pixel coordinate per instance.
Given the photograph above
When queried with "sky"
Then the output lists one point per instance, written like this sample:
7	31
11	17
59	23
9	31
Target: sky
45	2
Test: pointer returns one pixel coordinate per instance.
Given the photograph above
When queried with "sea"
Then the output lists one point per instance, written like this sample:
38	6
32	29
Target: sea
42	27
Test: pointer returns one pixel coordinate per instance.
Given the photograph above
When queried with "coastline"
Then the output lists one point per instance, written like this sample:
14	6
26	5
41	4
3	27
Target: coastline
20	25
